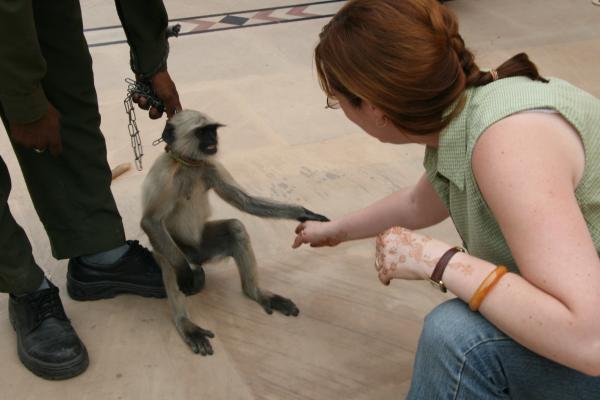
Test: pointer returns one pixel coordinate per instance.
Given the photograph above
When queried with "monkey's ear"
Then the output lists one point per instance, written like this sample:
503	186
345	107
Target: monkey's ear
168	134
214	126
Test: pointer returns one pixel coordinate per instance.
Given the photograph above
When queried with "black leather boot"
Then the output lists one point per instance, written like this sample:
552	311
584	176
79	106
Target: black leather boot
46	342
134	273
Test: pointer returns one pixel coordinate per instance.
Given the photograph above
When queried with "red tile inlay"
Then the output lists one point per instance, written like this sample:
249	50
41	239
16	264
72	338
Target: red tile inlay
201	25
299	12
266	16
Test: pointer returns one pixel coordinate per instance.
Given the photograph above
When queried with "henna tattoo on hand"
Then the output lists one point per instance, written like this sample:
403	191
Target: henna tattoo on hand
402	253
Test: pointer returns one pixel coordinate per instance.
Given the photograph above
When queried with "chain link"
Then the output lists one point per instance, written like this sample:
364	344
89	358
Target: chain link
134	132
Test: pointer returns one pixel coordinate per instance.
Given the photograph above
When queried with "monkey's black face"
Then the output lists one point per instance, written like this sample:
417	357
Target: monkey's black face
191	134
207	138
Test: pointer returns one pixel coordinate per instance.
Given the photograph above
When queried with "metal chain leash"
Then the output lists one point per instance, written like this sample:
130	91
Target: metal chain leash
134	132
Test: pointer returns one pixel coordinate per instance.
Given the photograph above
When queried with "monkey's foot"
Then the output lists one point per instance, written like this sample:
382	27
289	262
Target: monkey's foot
195	337
193	282
271	301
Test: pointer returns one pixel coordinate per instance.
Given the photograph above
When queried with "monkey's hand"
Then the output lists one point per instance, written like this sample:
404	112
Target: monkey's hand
190	281
194	336
271	301
311	216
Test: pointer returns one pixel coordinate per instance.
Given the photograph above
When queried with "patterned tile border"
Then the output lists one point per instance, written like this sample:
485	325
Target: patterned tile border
109	35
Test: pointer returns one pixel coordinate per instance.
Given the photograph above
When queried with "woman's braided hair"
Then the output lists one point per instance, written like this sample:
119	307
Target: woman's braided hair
518	65
406	58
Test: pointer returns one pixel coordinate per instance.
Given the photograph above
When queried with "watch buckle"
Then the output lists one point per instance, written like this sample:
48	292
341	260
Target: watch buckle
439	285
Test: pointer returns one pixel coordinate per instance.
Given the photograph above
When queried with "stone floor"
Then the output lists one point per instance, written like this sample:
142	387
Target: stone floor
354	338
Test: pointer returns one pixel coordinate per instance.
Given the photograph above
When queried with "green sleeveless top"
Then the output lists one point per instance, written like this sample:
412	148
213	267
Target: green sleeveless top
448	167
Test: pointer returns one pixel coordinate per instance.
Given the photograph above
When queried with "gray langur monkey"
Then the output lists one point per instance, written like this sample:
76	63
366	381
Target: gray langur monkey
175	218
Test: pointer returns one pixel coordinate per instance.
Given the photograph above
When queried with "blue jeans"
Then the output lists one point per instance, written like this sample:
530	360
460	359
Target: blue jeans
463	356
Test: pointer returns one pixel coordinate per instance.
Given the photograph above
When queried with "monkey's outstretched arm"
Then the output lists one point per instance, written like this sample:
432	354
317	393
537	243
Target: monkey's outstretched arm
226	187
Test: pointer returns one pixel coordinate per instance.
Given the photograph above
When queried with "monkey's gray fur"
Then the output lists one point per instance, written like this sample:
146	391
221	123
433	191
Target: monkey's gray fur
175	218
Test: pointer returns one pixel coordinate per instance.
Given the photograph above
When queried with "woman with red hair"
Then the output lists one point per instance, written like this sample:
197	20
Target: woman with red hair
514	159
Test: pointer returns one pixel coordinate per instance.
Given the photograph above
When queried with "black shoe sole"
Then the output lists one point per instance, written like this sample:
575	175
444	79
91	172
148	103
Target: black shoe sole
84	291
53	372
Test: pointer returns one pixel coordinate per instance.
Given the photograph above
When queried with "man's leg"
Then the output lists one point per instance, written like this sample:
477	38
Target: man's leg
71	192
46	342
462	356
18	271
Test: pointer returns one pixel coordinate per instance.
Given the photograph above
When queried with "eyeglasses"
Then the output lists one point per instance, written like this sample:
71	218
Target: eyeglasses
332	103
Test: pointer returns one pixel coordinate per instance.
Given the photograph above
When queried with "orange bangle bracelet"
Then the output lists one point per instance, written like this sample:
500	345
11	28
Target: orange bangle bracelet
484	288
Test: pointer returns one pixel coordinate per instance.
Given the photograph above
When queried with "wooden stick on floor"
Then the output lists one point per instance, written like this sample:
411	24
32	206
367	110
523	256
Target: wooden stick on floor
120	170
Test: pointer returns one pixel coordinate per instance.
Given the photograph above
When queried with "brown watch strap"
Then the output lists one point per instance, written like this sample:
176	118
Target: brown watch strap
440	267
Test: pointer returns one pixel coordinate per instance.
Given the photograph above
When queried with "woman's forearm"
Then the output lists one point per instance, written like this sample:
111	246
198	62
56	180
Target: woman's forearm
530	316
401	208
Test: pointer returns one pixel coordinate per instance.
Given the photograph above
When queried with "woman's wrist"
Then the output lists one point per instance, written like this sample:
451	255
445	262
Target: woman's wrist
440	267
464	274
339	230
404	254
433	250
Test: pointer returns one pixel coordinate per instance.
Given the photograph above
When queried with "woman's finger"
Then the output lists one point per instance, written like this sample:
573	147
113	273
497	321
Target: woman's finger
384	278
378	263
298	242
300	228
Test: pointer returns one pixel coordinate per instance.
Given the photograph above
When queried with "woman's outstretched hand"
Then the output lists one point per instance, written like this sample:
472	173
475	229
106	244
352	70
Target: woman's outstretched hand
318	234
